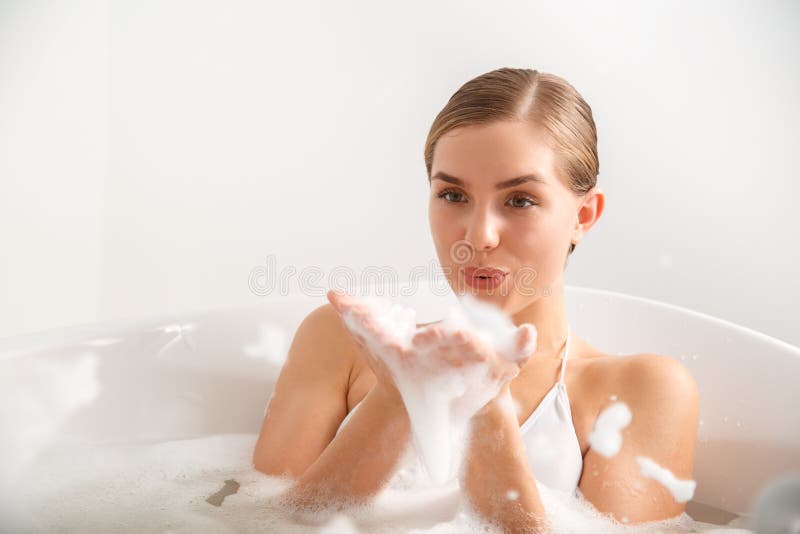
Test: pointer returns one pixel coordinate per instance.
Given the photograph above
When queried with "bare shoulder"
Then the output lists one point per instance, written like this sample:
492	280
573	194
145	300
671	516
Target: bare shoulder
649	381
319	356
663	400
324	323
649	373
322	319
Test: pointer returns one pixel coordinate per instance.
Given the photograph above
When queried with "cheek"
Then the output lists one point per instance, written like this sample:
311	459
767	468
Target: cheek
534	237
539	243
442	228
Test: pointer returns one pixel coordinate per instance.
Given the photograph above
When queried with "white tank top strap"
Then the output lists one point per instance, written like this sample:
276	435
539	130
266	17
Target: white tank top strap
552	446
564	359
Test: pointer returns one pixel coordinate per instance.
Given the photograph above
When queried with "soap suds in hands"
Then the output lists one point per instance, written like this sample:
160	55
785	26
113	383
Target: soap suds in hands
441	398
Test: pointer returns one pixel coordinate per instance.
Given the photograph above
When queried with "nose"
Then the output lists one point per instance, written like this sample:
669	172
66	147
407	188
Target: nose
483	230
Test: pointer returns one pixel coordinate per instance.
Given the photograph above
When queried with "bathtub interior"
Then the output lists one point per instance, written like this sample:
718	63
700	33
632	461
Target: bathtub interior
210	373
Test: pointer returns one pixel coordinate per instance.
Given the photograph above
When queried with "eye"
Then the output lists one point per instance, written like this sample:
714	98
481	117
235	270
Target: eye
518	201
450	195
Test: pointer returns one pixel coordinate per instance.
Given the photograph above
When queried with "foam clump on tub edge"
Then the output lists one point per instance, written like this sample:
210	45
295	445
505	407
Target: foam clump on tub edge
440	399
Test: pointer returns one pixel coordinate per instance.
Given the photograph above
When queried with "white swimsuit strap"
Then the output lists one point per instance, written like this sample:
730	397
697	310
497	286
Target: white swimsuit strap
564	359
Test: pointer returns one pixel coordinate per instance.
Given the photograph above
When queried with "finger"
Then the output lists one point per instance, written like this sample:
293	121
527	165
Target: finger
373	329
333	298
474	348
369	323
446	356
421	338
363	317
454	360
426	336
475	356
461	337
406	356
340	300
359	314
396	350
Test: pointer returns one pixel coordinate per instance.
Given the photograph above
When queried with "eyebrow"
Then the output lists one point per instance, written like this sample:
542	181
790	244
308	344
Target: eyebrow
505	184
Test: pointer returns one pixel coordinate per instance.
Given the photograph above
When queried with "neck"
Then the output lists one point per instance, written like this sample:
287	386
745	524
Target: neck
548	314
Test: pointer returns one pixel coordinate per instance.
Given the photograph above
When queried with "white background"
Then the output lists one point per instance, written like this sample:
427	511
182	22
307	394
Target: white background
153	153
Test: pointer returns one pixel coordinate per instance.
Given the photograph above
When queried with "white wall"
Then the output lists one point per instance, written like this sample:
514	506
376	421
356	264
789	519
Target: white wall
200	137
53	158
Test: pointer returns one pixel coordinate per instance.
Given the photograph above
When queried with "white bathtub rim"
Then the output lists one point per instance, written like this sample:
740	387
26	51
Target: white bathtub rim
31	341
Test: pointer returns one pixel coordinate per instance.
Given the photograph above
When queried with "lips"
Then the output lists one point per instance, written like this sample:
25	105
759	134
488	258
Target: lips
484	272
484	277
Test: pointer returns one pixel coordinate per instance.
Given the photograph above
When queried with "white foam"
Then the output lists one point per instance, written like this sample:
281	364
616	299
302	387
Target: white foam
340	524
682	490
163	487
606	438
271	345
510	405
61	387
489	323
440	398
39	396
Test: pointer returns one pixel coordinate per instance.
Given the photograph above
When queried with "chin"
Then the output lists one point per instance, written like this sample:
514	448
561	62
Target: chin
502	301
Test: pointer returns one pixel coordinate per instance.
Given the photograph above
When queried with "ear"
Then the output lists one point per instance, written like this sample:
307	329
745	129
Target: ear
589	211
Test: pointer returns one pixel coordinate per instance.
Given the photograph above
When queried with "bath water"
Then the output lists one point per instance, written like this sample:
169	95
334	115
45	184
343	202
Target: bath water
164	487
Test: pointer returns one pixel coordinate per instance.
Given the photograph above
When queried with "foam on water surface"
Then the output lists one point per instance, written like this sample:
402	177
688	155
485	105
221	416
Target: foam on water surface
164	487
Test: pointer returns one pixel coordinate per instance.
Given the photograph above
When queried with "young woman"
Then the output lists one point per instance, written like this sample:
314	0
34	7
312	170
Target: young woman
512	165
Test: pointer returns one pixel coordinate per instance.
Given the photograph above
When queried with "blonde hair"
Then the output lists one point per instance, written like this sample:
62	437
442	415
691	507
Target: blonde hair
546	100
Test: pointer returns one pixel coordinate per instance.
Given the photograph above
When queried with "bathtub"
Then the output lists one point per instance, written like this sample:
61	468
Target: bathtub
209	373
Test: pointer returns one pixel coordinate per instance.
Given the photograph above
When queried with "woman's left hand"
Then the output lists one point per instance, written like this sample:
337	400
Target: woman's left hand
458	348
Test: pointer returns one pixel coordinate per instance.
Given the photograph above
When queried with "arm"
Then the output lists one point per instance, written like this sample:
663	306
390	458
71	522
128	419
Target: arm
298	437
664	402
360	459
309	399
495	464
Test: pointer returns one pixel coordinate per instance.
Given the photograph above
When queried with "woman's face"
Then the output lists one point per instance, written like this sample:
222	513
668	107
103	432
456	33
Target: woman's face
480	219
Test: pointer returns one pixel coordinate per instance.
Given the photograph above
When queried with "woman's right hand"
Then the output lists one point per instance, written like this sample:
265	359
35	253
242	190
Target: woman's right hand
347	305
